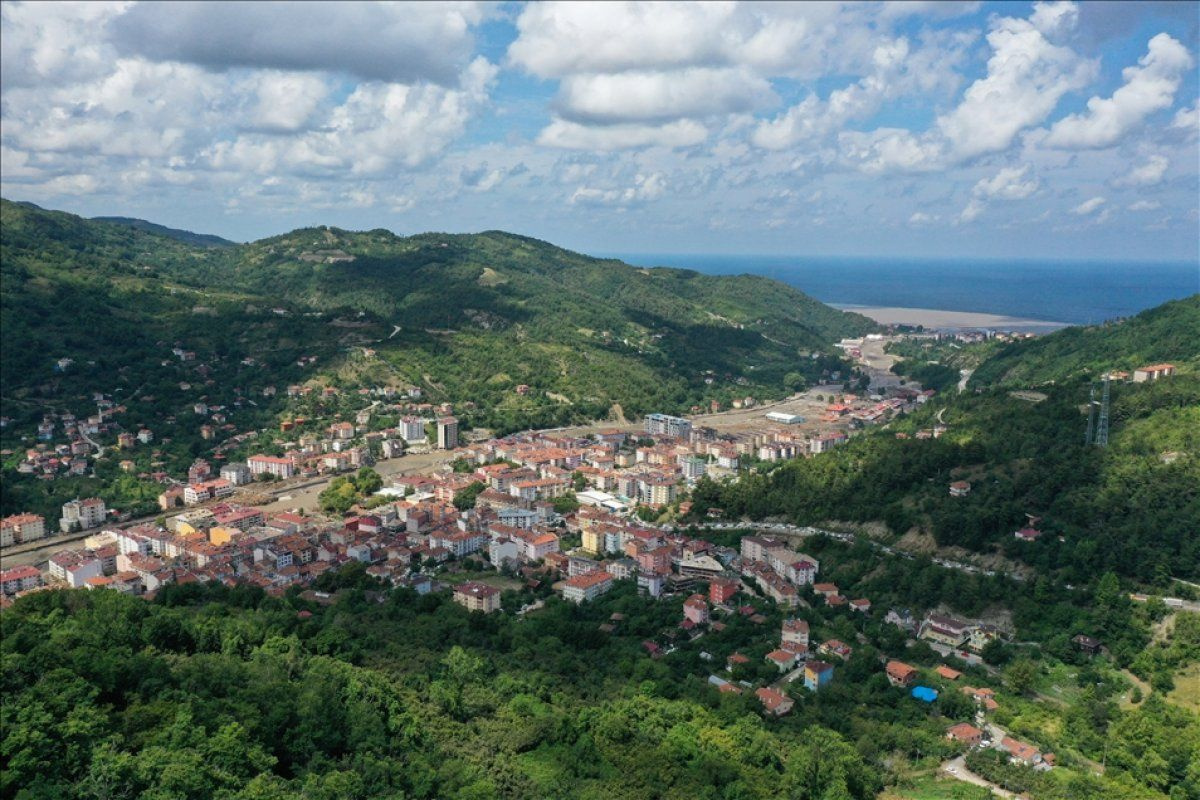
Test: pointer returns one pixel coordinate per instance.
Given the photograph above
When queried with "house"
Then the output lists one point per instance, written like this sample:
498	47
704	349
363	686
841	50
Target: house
795	632
583	588
1153	372
944	630
1020	752
695	609
835	648
782	659
826	590
1027	534
949	674
861	604
774	702
735	660
902	619
960	489
236	473
475	596
965	733
817	674
1087	644
900	674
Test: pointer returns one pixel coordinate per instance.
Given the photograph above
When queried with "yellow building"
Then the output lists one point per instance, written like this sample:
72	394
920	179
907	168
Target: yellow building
593	540
220	534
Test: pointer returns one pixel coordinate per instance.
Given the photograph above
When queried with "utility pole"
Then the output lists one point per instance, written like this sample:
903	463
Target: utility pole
1102	426
1087	436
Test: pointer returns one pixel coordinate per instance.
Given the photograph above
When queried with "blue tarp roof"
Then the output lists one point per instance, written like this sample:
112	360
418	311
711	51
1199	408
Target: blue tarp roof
924	693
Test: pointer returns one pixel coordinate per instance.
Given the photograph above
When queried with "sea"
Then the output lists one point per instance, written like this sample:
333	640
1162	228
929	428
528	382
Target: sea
1072	292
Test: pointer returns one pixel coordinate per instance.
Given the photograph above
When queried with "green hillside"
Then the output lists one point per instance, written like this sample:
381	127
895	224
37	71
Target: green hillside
1170	332
187	237
464	317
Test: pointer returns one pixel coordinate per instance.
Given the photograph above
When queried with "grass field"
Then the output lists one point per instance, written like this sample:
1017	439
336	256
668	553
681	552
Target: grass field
933	787
1186	693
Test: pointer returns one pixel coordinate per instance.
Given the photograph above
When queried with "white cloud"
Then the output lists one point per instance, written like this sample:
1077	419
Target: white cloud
661	96
393	42
1011	183
573	136
921	218
1187	119
974	208
1088	206
888	149
286	101
644	187
1147	174
1148	87
1145	205
1026	77
556	39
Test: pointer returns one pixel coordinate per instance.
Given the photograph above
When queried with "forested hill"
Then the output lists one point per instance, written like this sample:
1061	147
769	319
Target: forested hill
463	317
187	237
1170	332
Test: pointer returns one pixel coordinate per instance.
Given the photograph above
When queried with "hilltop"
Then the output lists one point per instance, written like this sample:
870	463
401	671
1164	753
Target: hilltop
1163	333
187	237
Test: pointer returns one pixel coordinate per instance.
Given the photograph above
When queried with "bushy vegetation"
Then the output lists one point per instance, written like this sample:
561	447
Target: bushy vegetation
1164	333
1124	508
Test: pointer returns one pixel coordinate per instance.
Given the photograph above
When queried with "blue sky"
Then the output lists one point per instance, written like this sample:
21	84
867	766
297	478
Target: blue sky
999	130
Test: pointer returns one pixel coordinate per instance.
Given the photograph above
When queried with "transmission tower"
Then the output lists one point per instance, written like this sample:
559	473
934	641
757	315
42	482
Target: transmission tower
1087	437
1102	425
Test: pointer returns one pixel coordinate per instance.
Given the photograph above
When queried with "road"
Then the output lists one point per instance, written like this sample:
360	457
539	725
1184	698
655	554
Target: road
957	768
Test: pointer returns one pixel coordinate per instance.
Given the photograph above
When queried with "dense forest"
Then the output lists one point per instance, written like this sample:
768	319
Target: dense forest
229	693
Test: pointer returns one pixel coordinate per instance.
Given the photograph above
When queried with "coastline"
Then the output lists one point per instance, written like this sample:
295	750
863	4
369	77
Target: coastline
939	319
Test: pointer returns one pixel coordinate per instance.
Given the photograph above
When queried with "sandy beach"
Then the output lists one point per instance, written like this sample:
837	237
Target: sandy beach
952	320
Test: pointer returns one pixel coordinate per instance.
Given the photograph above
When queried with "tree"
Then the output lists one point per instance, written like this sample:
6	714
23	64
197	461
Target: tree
1020	675
465	498
367	481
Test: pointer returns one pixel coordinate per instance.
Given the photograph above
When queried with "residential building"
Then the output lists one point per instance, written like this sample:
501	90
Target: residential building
21	528
817	674
721	590
583	588
20	579
447	433
900	674
1153	372
666	425
944	630
412	429
782	659
475	596
795	632
237	473
774	702
82	514
966	733
960	489
695	608
280	467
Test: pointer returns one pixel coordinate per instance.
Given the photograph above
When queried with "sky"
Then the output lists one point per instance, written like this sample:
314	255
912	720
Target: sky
920	129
